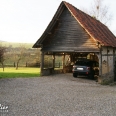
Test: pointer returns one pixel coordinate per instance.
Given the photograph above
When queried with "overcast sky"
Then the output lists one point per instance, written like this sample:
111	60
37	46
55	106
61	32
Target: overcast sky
25	20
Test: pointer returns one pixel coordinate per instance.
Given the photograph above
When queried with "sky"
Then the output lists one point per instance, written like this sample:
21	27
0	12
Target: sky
25	20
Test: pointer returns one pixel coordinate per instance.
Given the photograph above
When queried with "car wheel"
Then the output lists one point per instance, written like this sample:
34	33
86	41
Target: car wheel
74	75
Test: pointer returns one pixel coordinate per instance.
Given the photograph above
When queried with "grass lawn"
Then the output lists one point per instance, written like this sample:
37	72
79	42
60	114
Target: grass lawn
21	72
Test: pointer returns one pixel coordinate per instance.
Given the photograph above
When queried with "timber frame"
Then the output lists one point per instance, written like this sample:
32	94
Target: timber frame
75	33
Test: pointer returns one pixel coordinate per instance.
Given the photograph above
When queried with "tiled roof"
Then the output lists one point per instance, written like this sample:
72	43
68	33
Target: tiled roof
93	27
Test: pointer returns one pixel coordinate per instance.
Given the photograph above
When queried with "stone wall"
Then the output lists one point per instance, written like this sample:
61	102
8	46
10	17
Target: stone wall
107	65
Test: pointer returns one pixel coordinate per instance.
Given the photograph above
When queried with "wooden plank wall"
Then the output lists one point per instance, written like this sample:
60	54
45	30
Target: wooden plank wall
68	35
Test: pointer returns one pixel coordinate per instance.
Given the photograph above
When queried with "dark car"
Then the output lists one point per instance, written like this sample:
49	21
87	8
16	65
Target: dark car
85	67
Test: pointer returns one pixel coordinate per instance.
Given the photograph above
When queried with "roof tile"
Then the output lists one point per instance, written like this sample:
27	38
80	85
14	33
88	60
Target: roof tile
93	27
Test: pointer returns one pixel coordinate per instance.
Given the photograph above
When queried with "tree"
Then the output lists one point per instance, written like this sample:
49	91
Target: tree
19	54
100	11
2	51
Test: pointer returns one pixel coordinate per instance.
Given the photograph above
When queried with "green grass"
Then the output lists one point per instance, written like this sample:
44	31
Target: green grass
21	72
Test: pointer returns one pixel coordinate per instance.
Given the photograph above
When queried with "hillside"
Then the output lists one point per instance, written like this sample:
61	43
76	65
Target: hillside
14	44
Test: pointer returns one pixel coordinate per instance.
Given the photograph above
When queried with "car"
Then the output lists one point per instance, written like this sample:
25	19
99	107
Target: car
85	67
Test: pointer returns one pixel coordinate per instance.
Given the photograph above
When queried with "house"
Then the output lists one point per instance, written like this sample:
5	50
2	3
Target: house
75	33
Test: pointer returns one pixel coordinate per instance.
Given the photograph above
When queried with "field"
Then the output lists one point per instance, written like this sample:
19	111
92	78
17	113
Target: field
25	56
22	72
14	44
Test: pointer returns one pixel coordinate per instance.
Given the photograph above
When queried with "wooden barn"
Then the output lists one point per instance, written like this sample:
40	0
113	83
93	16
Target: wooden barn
75	34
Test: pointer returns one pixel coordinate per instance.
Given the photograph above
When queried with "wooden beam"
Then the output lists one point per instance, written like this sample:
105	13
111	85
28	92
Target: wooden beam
63	60
42	63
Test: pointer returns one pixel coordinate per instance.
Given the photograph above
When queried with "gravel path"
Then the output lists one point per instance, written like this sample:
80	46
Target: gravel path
56	95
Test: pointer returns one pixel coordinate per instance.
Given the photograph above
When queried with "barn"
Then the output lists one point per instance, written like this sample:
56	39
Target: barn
75	34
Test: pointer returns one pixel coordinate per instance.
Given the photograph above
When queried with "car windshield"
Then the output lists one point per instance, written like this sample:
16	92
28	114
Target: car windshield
83	63
87	63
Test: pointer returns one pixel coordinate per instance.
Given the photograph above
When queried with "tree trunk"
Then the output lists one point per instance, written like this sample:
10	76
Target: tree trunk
2	66
17	65
14	64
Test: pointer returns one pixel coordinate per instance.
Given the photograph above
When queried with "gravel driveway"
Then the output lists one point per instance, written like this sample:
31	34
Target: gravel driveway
56	95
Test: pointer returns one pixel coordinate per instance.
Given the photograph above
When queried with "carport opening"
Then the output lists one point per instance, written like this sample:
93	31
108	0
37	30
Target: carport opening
85	64
72	58
64	62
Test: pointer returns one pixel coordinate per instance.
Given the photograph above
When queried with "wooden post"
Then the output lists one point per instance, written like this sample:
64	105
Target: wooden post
114	55
42	63
63	61
100	66
100	63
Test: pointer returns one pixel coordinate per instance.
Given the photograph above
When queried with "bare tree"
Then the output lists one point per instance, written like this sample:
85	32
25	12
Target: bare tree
19	54
2	51
100	11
